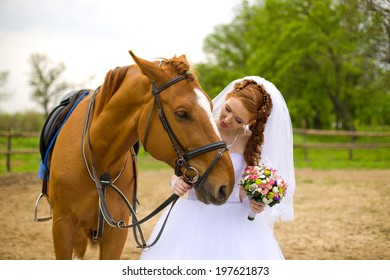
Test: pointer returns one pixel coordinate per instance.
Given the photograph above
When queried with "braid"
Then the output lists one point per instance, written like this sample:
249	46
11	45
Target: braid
262	105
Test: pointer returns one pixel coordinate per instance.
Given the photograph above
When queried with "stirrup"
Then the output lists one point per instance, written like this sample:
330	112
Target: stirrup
42	219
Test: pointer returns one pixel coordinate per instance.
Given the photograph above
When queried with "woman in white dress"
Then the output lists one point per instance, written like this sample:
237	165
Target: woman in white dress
252	117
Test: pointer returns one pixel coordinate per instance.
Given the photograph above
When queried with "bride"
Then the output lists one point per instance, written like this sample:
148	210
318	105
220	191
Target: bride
252	117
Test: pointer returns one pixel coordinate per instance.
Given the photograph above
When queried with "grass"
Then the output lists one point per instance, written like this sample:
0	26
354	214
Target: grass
20	162
316	158
339	158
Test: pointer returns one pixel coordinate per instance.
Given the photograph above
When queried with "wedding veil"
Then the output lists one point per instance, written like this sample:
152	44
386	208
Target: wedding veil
277	149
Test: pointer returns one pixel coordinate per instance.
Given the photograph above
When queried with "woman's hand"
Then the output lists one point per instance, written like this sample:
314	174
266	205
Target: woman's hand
178	186
256	207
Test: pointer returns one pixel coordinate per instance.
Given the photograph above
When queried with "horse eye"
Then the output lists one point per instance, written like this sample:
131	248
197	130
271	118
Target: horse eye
182	115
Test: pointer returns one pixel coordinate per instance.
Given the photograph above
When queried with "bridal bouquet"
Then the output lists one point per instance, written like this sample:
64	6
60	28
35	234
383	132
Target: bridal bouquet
263	184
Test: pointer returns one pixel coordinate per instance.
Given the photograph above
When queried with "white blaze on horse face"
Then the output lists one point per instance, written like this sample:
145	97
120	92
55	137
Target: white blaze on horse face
205	104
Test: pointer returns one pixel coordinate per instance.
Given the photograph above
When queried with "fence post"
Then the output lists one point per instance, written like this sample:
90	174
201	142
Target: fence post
352	140
8	161
304	145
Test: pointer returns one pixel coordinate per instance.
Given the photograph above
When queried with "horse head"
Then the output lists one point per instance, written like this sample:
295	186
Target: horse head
177	126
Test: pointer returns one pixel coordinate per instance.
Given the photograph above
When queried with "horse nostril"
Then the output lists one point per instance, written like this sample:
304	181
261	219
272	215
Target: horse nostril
222	192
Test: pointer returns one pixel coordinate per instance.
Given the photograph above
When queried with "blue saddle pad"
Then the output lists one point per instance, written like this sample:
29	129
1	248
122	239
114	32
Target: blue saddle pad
53	125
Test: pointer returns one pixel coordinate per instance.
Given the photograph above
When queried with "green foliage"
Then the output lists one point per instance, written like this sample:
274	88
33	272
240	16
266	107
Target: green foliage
30	121
328	58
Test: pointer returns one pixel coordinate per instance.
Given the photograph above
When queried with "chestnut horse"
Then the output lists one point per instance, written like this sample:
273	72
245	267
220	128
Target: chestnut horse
124	112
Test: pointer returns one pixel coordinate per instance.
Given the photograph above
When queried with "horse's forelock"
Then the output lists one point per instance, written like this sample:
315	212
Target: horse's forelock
179	66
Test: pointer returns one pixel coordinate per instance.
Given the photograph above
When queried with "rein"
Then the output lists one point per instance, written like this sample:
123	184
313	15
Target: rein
182	161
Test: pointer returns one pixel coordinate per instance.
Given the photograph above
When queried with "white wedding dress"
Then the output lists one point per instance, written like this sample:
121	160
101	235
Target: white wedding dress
196	231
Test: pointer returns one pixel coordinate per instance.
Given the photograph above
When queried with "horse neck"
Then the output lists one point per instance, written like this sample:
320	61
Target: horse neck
114	130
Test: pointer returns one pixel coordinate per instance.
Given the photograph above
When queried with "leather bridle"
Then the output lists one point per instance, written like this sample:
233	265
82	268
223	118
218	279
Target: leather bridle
182	158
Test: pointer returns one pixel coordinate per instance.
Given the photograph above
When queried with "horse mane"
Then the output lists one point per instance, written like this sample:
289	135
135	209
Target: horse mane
111	84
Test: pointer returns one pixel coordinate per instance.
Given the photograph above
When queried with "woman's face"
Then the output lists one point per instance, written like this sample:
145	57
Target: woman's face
234	115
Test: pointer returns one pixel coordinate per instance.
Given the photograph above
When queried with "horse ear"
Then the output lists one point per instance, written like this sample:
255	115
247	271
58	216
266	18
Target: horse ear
183	58
149	69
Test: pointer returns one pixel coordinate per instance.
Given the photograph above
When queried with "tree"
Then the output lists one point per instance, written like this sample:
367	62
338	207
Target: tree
227	52
381	8
46	81
30	121
328	58
4	94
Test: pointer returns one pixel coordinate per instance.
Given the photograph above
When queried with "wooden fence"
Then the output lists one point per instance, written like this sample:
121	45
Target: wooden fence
351	145
9	151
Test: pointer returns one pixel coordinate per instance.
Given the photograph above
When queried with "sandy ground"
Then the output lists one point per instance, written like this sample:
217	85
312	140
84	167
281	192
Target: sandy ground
338	215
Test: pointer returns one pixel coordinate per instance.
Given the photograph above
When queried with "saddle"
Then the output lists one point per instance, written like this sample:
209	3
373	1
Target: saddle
53	124
56	119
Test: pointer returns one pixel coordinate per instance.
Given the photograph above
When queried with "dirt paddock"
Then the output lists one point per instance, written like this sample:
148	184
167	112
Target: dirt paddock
339	214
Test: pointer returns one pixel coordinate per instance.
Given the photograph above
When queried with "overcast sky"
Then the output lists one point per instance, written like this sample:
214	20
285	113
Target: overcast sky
94	36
